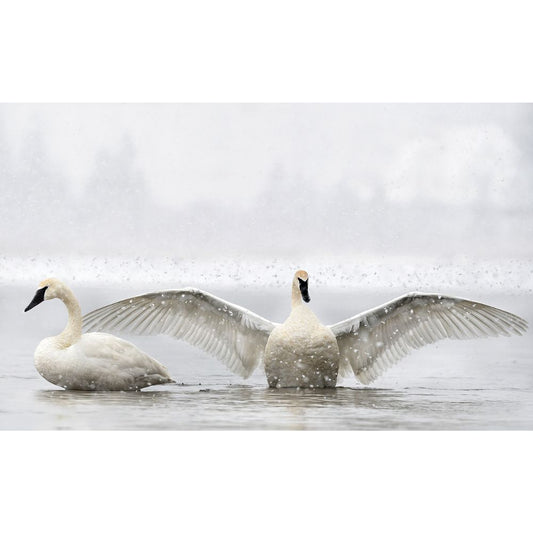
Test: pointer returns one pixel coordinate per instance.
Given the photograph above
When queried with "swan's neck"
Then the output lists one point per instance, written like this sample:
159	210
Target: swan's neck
296	294
72	333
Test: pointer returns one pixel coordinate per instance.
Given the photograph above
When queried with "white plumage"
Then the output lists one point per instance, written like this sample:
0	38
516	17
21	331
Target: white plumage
302	352
234	335
373	341
93	361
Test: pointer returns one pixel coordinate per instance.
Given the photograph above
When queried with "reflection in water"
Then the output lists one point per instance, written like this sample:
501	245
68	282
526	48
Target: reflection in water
116	398
254	407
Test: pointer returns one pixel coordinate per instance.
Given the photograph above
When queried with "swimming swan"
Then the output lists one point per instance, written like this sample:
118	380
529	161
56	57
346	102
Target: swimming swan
93	361
301	352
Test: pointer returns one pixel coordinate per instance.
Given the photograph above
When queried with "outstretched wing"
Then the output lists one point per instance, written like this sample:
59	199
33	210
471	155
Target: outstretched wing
234	335
374	340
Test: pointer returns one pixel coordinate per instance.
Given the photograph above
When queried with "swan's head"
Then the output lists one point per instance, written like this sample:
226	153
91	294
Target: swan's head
48	289
301	278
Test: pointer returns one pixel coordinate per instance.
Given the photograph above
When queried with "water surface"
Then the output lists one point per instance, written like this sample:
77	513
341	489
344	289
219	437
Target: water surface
480	384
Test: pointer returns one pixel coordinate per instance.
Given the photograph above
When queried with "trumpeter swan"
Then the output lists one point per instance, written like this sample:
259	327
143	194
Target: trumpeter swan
301	352
93	361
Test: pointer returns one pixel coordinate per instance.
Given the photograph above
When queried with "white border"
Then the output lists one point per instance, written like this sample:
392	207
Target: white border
238	51
265	481
280	51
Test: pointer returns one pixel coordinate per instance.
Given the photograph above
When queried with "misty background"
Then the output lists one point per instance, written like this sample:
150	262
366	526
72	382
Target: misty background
416	197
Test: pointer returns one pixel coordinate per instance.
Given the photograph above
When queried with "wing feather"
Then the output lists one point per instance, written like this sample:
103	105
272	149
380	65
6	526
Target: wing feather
373	341
233	334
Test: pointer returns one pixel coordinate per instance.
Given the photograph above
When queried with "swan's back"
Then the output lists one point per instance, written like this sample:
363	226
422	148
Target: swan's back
99	361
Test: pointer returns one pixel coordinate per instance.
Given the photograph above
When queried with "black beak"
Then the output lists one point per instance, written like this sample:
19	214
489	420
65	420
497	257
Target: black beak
37	299
304	290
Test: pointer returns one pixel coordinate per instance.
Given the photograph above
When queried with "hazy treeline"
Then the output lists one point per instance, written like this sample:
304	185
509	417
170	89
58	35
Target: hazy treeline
114	213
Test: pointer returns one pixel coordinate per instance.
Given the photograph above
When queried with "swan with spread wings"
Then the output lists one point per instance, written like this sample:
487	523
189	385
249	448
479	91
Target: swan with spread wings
302	352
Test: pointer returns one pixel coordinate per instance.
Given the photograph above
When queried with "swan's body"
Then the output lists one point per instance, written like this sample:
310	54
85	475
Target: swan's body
302	352
93	361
